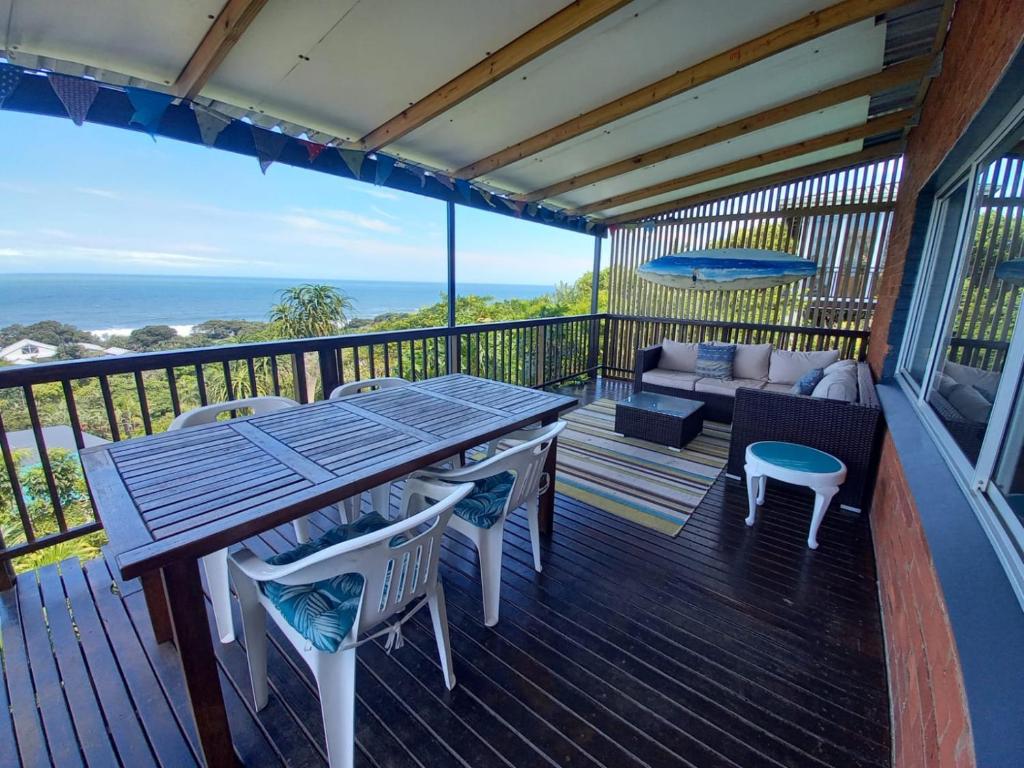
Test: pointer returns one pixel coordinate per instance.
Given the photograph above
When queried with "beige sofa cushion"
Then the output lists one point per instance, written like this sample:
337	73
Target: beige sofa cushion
726	387
971	403
985	382
678	356
661	377
841	385
786	389
751	361
788	367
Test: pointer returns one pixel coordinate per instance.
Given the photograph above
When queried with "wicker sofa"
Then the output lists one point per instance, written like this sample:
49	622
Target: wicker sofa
849	430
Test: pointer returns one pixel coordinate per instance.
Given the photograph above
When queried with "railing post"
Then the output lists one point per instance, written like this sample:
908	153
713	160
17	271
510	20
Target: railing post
6	573
452	348
330	376
299	375
541	354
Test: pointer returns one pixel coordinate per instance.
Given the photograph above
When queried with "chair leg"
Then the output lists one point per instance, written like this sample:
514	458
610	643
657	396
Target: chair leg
216	567
762	486
489	543
439	618
533	518
254	625
336	680
349	509
822	498
753	485
301	527
381	498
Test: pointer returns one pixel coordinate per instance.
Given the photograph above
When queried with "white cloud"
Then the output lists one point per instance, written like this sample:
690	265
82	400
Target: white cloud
96	192
161	258
323	219
10	252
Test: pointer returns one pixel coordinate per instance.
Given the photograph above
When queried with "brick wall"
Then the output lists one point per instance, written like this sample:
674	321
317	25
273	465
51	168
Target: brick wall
929	710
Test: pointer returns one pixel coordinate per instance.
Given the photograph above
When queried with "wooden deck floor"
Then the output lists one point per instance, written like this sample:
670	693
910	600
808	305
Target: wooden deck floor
724	646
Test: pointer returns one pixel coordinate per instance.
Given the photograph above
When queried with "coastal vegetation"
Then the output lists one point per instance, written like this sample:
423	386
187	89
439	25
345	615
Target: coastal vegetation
111	409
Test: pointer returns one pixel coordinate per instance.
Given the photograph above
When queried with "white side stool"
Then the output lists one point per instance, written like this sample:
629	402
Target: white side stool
822	472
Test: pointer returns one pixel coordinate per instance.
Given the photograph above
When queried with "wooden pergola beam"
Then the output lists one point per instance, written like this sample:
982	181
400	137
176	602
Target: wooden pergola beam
785	37
877	152
890	77
880	125
230	24
554	30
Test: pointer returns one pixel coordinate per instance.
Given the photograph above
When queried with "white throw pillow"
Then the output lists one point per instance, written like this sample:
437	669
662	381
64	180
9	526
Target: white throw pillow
986	382
970	403
841	385
788	367
751	361
841	365
945	384
678	356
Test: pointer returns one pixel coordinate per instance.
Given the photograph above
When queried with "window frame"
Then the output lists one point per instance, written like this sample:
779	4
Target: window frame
1002	526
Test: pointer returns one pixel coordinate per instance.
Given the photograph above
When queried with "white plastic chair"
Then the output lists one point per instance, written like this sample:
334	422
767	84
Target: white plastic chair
395	575
380	496
216	564
526	462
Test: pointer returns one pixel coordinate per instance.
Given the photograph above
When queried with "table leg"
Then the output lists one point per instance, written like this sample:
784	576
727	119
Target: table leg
184	592
156	604
546	510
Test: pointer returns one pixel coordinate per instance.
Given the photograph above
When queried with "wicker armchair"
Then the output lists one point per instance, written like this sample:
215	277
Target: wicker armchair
849	431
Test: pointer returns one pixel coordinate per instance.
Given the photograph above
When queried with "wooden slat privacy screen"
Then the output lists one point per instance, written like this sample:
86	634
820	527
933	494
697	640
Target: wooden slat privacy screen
839	219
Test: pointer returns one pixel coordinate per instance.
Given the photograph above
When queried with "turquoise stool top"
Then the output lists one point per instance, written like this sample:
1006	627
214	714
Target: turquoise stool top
798	458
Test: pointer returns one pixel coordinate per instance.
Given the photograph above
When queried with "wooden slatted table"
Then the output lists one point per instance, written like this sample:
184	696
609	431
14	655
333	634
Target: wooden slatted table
168	499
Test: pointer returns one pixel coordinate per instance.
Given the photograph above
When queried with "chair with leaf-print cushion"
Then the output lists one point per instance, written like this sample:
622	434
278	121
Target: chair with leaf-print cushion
330	595
501	483
216	563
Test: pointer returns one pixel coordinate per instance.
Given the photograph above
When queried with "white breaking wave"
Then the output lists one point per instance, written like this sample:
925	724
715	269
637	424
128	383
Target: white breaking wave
106	333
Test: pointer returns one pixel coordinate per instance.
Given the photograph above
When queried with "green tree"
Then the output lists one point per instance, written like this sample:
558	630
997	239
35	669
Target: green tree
46	331
221	330
151	337
310	310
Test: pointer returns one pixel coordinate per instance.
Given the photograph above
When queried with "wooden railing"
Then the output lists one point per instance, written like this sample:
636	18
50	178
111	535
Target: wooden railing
43	499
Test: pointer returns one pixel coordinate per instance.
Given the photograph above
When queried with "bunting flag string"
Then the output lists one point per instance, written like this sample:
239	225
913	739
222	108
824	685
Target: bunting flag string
445	181
464	189
418	172
269	145
385	165
313	149
76	94
353	159
10	77
210	124
149	108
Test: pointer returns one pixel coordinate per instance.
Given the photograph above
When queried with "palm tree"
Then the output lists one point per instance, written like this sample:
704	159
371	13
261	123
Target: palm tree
310	310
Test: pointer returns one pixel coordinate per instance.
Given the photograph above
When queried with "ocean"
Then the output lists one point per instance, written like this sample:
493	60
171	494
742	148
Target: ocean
116	304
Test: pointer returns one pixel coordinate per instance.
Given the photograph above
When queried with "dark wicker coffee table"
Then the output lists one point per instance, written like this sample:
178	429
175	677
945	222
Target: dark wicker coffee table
671	421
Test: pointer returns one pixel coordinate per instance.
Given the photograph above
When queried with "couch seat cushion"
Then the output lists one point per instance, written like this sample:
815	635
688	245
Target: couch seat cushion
678	356
838	386
786	389
751	361
486	502
662	377
787	367
323	612
720	387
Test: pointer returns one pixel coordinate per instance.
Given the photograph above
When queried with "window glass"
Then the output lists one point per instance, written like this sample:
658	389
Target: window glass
985	302
950	213
1009	474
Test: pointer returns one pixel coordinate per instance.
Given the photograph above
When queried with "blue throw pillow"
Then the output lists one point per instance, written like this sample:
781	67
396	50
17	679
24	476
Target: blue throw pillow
714	361
808	381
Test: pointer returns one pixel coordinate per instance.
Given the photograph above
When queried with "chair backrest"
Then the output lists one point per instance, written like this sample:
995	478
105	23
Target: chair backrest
368	385
525	460
395	572
208	414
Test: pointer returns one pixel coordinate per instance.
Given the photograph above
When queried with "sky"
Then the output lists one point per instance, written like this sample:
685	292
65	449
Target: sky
94	199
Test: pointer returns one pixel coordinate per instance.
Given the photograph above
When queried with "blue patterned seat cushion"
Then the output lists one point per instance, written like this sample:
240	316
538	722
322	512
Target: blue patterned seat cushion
714	361
323	612
485	504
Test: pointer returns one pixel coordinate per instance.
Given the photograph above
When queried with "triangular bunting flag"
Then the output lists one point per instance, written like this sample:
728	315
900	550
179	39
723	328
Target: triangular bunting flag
518	206
10	76
531	210
419	173
149	108
590	226
487	196
464	189
509	203
269	145
444	181
353	159
385	165
648	226
210	124
75	94
313	149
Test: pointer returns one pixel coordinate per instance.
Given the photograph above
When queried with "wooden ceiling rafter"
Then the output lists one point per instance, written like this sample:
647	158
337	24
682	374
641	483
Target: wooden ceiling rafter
554	30
894	121
891	77
871	154
783	38
225	31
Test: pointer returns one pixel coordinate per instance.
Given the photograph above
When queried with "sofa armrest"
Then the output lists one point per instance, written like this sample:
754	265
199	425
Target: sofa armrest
646	359
867	395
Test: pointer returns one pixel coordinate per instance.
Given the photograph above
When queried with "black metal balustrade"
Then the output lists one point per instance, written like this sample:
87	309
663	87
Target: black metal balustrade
116	398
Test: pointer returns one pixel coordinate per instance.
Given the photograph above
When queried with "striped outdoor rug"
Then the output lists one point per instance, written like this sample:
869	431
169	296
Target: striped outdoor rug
647	483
